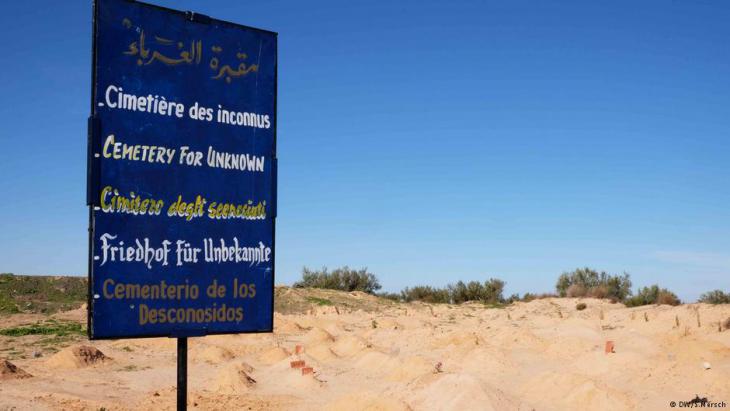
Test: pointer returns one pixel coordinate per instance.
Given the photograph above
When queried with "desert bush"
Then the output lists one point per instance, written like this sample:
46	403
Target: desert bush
600	291
715	297
493	289
653	295
512	298
726	324
489	292
426	294
343	279
576	290
666	297
527	297
530	296
595	284
581	306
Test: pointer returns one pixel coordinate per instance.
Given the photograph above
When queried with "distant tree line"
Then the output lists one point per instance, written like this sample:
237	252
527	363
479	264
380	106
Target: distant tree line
347	279
715	297
489	292
582	282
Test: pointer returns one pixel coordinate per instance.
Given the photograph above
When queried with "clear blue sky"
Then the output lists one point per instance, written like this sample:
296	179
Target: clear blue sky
430	141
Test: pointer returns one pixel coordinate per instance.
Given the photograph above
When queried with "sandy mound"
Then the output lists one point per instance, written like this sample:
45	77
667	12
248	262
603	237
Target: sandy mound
78	357
289	327
542	355
522	337
388	323
214	354
566	390
454	392
318	335
411	368
377	363
273	355
326	310
147	344
321	353
349	345
235	378
457	339
9	371
366	402
480	359
294	379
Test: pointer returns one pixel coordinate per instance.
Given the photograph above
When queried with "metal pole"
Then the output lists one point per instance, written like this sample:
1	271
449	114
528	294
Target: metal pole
182	374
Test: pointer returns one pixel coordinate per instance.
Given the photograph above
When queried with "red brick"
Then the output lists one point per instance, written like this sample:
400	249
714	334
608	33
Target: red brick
298	349
609	347
297	364
307	370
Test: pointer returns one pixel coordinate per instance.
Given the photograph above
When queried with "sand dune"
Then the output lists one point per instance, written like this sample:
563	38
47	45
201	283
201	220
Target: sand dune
9	371
542	355
78	357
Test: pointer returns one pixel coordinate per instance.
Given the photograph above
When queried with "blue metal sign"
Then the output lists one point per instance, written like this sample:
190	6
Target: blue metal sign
182	174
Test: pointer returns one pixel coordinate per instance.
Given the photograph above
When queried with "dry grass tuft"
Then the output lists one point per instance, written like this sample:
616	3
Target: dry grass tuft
667	298
600	291
576	291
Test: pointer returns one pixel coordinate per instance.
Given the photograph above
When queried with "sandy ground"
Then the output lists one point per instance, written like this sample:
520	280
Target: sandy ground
542	355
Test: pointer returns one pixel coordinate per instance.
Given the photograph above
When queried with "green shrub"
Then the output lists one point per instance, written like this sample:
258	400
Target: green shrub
653	295
48	327
581	306
512	299
40	294
530	296
426	294
319	301
489	292
585	282
576	291
343	279
666	297
715	297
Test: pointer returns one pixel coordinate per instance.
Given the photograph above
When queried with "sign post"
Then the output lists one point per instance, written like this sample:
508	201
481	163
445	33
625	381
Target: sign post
182	374
182	175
